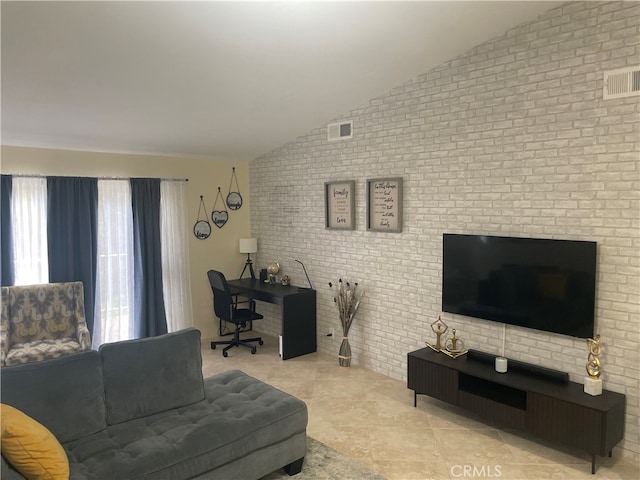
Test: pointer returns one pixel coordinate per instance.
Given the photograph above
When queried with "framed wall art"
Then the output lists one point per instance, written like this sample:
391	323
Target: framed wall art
384	205
340	205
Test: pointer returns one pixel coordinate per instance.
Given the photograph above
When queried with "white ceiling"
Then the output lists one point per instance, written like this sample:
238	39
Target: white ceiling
226	80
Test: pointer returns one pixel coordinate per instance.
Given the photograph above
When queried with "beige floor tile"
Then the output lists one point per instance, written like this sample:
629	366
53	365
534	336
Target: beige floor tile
471	447
403	469
352	441
391	443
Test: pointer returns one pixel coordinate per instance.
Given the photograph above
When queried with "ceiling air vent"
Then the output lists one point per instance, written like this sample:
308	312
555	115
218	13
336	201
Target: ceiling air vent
340	131
624	82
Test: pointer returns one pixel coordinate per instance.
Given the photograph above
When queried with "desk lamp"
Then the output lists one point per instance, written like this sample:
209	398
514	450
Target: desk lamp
248	246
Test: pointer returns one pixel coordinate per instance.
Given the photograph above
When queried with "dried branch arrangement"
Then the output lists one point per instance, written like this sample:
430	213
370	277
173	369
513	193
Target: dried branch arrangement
347	298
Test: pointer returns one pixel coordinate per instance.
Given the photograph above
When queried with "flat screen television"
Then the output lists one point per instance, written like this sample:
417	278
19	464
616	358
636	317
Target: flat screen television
535	283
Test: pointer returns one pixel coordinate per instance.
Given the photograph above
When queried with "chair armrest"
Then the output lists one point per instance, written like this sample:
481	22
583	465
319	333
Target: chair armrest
4	343
250	301
4	326
84	337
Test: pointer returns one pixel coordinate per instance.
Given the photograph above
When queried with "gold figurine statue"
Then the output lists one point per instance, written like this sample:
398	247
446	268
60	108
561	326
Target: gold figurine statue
452	343
454	346
439	328
594	369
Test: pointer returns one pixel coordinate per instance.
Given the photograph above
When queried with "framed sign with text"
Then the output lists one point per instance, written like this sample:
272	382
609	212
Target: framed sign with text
384	205
340	205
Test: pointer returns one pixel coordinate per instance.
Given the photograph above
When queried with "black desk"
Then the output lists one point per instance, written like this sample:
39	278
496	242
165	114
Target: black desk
298	305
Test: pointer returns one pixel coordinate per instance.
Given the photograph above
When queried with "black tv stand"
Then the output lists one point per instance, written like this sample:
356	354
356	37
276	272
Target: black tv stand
534	399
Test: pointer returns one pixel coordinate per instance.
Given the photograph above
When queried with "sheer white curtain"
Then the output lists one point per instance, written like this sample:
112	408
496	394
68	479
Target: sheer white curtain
114	302
29	224
175	255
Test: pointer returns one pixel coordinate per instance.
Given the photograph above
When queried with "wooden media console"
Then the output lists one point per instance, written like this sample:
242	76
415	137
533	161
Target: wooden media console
534	399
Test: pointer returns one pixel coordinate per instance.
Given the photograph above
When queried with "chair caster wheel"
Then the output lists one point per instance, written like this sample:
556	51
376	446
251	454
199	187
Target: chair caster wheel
253	351
225	354
260	342
213	347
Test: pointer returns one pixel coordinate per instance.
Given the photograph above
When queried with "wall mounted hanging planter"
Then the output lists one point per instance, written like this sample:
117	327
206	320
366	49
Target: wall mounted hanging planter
202	228
234	199
219	217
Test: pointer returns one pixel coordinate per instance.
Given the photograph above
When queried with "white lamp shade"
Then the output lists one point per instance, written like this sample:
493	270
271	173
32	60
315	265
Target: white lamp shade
248	245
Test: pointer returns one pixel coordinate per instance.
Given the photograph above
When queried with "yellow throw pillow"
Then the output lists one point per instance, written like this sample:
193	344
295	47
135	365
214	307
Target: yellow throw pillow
31	448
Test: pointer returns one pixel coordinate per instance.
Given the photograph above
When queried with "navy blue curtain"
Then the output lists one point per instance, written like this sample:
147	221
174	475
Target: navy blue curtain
6	235
72	219
150	318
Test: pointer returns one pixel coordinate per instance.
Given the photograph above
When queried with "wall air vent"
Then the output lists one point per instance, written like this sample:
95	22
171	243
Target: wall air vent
621	83
340	131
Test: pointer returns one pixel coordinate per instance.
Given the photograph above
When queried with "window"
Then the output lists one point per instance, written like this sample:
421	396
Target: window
29	222
114	301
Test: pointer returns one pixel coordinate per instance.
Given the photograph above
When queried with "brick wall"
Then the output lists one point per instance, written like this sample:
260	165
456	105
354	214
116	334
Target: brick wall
512	138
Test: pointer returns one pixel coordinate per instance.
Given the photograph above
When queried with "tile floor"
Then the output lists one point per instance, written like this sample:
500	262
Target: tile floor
371	419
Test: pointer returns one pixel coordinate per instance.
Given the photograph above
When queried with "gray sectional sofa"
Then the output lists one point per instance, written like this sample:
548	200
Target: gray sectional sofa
141	409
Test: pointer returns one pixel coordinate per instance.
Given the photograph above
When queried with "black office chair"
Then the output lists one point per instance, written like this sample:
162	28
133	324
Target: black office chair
225	306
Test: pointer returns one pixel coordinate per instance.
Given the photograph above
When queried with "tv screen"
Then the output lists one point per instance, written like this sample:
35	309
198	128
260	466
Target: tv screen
536	283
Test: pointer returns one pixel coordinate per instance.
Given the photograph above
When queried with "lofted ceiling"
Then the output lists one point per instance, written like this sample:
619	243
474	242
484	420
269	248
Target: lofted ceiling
224	80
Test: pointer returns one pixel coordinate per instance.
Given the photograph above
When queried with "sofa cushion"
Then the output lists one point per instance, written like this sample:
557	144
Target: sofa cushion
64	394
31	448
239	416
151	375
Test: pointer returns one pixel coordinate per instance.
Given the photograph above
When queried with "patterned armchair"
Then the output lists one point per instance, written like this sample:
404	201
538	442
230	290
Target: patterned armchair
39	322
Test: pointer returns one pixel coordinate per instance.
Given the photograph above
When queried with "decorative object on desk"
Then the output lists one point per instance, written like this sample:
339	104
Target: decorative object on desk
384	205
347	299
439	327
340	205
285	280
454	346
264	276
219	217
273	270
593	382
305	273
202	228
248	246
234	199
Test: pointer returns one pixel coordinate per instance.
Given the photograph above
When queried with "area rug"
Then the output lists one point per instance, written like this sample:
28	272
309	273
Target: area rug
324	463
